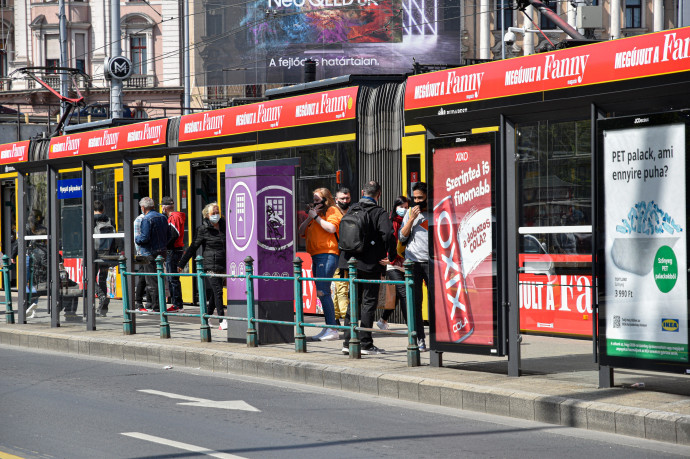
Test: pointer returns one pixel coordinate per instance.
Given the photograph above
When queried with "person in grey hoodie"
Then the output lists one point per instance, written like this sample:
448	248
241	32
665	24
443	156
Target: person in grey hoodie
414	233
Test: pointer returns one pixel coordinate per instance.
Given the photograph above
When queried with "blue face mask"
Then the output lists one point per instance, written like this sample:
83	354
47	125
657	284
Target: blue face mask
214	218
401	211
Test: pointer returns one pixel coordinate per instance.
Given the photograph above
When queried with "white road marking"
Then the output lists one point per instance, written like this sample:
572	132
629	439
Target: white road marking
204	403
180	445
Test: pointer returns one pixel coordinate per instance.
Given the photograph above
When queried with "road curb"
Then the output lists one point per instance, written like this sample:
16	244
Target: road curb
656	425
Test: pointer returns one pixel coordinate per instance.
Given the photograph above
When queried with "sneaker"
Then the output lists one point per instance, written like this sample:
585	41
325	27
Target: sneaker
382	324
373	350
31	310
330	335
422	345
172	309
142	309
345	350
223	325
318	336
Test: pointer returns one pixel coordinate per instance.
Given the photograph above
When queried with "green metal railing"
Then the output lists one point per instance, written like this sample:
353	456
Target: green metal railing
413	357
9	313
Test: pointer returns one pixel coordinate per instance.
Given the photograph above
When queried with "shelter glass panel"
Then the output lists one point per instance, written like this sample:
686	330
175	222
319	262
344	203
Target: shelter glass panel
36	240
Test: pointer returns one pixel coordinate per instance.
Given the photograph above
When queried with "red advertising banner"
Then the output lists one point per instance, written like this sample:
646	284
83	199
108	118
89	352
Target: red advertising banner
147	134
322	107
616	60
556	304
310	302
14	152
462	245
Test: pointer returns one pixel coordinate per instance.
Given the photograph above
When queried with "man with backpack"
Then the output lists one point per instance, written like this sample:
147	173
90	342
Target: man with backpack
367	235
103	246
152	241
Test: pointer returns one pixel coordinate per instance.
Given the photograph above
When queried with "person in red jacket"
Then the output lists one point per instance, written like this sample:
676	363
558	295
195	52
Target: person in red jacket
176	221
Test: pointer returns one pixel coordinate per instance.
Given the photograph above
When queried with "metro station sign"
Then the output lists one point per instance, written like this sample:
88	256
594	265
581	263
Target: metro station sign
322	107
147	134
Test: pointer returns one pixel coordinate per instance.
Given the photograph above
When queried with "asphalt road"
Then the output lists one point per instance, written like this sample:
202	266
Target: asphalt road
52	405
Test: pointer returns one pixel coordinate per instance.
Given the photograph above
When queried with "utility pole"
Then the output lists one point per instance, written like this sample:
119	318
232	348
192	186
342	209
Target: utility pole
115	51
185	21
64	81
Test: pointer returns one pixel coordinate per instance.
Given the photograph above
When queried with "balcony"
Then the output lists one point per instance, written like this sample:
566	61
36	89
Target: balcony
140	81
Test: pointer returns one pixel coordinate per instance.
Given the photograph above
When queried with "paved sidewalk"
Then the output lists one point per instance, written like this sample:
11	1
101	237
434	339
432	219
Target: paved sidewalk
558	386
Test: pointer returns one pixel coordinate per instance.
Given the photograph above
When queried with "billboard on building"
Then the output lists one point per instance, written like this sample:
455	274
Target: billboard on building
269	40
643	223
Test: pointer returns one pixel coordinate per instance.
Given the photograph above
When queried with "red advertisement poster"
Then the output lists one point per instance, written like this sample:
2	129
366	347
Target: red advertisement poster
556	304
462	245
147	134
322	107
14	152
616	60
310	302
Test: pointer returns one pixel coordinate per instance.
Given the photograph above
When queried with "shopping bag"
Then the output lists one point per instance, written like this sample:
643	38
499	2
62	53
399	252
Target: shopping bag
386	296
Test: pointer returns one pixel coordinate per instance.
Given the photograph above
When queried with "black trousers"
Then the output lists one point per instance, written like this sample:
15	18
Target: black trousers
102	287
368	298
152	281
400	294
421	273
174	281
214	295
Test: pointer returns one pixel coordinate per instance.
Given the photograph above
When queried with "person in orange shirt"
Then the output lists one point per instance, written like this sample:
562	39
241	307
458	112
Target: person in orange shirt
321	231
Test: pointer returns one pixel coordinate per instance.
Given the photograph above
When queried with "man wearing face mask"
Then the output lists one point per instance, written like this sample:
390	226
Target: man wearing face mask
341	295
414	233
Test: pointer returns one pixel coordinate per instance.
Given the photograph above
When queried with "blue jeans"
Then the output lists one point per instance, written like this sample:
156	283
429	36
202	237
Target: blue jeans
324	265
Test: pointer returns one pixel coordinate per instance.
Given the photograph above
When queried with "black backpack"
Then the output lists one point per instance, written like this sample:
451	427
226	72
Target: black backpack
354	230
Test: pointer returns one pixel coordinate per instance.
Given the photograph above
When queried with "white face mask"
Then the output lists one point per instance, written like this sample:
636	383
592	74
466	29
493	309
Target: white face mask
401	211
214	218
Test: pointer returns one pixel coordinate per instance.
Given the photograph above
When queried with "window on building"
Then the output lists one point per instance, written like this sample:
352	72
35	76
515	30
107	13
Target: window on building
52	51
80	51
544	22
214	21
633	14
138	51
504	10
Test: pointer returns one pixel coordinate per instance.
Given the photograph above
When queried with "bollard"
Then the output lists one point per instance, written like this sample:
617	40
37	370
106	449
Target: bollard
251	331
355	345
205	329
300	338
127	324
165	326
413	358
9	313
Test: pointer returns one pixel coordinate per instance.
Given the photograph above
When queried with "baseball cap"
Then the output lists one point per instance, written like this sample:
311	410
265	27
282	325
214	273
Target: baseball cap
167	201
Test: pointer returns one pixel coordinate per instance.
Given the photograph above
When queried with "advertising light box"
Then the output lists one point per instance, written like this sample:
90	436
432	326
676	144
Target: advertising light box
462	245
642	245
269	40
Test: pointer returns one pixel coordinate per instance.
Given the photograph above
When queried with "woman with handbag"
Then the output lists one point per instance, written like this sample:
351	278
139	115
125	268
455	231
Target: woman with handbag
396	271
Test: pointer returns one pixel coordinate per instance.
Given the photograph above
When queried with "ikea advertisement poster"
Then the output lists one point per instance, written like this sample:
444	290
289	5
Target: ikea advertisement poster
645	245
270	40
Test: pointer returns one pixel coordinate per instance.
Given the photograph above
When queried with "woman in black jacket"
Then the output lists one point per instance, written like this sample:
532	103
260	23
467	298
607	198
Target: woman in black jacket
210	236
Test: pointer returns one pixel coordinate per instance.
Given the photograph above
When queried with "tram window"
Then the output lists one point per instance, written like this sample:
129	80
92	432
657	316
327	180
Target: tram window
104	190
273	154
555	179
317	161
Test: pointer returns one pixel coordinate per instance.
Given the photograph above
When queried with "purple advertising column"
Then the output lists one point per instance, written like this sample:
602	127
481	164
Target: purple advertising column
260	214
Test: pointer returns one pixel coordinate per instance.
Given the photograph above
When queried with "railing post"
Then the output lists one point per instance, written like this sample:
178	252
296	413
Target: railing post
205	329
127	324
165	326
300	339
9	313
355	345
251	330
413	358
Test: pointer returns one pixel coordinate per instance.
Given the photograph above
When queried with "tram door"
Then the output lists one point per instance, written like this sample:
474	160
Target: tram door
156	183
183	205
37	262
8	223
